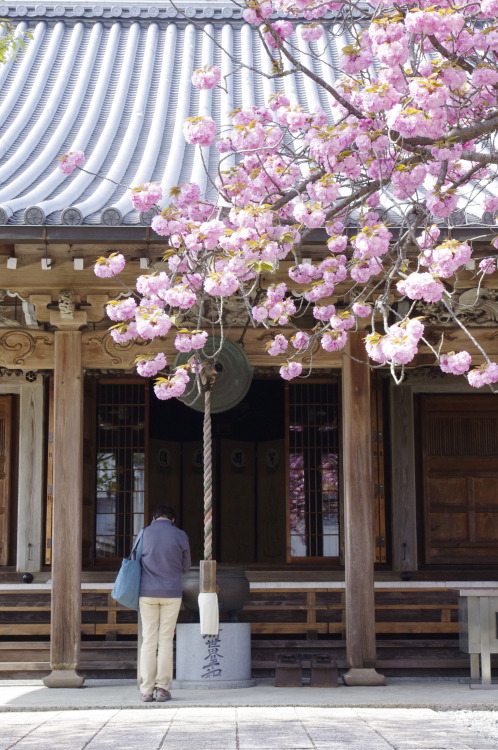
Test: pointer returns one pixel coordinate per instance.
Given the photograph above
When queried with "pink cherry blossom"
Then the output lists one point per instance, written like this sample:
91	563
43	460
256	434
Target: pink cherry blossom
488	265
484	77
69	162
445	259
283	30
153	284
300	340
146	196
486	374
291	370
337	243
323	312
319	290
105	268
199	131
257	11
186	341
361	310
414	327
421	286
373	345
456	364
180	296
398	346
372	241
428	93
489	8
334	341
172	387
185	195
149	366
221	284
152	323
423	22
491	203
123	332
120	310
362	271
310	215
206	78
277	346
309	33
343	321
441	203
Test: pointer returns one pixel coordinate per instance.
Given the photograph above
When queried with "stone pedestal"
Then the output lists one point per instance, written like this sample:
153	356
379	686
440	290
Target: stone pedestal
213	662
63	678
357	677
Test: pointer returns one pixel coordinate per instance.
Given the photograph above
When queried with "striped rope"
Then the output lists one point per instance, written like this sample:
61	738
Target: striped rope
208	478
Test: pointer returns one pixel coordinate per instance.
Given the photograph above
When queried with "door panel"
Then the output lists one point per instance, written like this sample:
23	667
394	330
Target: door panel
237	501
460	478
5	475
192	499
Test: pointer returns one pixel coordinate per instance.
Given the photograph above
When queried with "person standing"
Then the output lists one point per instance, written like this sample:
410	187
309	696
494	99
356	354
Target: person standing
165	557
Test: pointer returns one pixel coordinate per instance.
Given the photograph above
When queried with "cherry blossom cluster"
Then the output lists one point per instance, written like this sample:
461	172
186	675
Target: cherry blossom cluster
206	78
407	132
69	162
398	345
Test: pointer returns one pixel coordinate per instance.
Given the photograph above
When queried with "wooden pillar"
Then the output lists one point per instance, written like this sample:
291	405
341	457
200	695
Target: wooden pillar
67	511
31	479
404	500
358	517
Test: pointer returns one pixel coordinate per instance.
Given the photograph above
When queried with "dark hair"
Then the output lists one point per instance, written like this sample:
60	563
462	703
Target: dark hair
163	511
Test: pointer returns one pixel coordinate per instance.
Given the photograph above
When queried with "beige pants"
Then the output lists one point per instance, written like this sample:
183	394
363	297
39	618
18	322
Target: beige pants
159	618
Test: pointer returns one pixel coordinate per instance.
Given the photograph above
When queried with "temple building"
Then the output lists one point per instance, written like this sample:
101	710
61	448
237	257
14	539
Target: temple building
358	508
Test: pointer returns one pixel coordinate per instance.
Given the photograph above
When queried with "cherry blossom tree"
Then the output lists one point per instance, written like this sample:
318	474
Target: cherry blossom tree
410	148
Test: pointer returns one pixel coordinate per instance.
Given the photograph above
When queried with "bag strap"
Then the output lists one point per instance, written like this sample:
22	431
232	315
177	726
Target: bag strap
136	552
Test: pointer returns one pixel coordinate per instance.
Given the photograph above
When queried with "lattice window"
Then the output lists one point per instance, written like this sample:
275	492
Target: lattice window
313	470
120	470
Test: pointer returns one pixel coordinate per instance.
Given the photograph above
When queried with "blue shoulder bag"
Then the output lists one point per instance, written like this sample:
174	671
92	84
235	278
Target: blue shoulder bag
126	590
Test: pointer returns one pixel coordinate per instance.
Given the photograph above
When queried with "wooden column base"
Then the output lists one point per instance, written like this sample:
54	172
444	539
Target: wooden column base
63	678
367	677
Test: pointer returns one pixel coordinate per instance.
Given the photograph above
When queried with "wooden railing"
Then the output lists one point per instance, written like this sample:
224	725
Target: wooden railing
313	616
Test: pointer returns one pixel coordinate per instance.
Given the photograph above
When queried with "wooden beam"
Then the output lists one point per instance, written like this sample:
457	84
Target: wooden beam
32	349
358	517
67	512
100	350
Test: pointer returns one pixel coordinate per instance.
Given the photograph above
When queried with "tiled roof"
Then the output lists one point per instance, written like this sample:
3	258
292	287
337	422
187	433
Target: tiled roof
113	80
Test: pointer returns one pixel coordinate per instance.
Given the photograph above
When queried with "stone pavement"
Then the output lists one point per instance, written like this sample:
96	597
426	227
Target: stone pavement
238	728
108	715
26	695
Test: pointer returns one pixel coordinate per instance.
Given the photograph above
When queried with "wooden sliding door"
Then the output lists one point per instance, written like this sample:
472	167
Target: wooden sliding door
459	435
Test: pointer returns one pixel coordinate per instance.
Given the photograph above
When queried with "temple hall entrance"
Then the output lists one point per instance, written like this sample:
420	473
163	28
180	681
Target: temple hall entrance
249	474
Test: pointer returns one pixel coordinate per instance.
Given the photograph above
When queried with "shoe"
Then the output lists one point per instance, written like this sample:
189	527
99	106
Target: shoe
162	695
147	698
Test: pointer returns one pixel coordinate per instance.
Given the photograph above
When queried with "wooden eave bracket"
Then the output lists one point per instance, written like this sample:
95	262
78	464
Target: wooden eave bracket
93	312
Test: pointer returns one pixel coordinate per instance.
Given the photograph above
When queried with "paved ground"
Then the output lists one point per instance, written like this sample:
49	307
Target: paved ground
440	694
241	728
108	715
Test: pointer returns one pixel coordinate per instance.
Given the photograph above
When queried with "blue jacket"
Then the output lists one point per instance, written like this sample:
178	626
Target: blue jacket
165	557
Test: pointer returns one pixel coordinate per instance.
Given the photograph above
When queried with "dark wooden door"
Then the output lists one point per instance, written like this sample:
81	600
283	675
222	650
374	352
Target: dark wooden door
5	475
460	479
